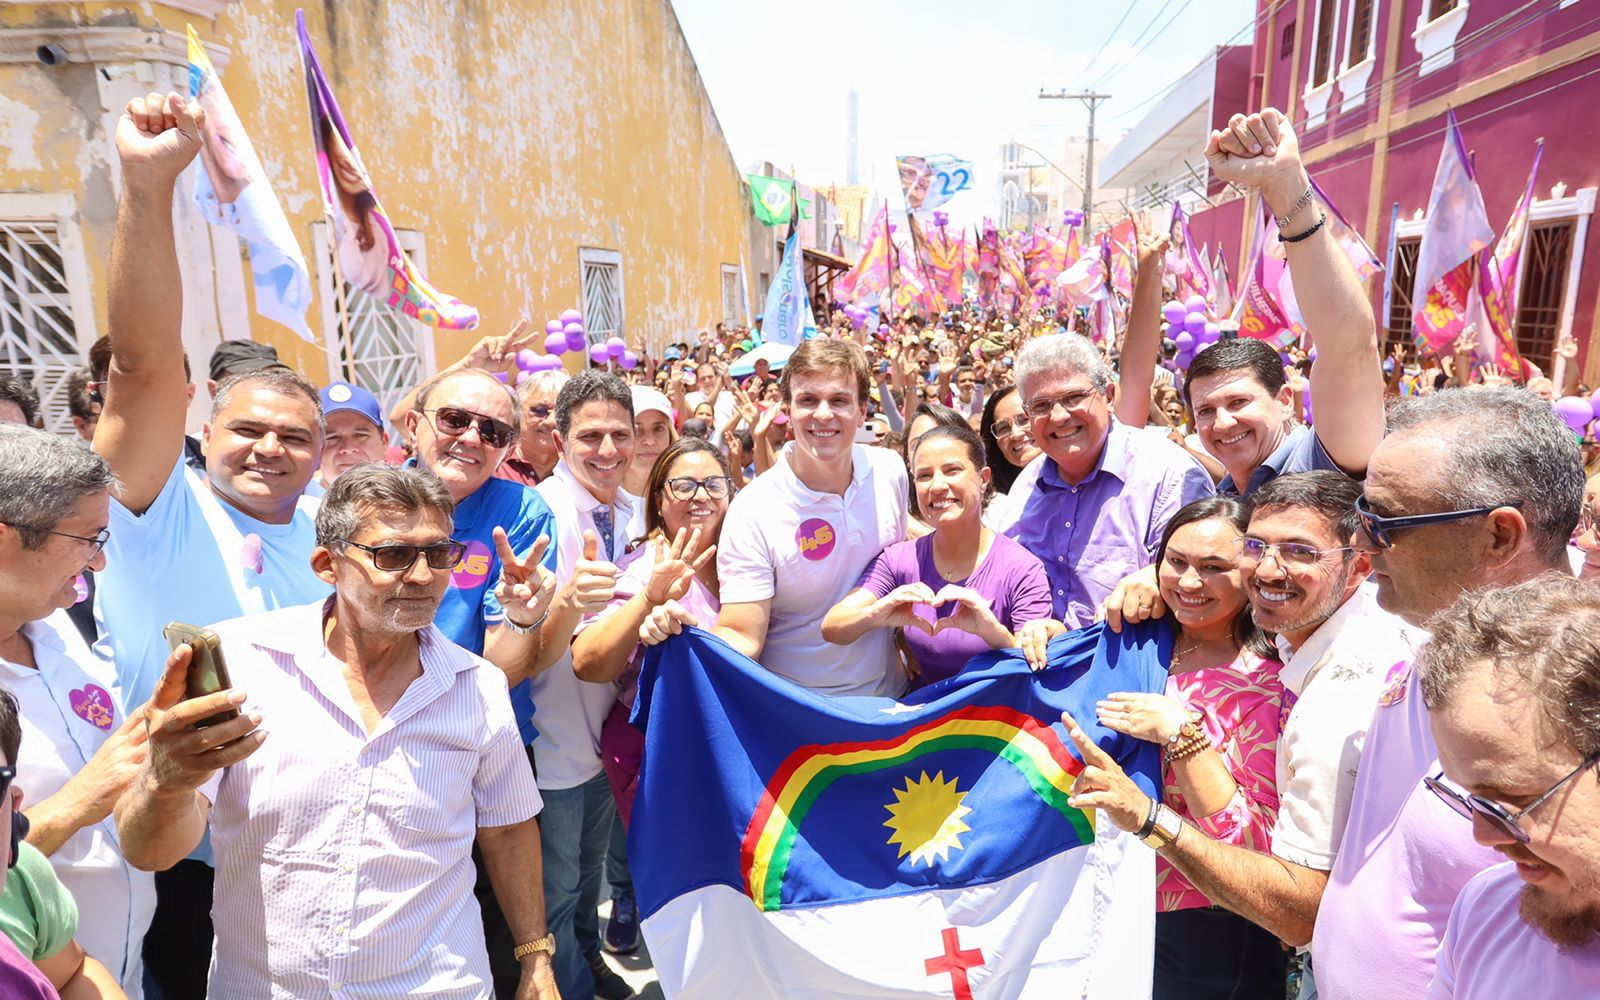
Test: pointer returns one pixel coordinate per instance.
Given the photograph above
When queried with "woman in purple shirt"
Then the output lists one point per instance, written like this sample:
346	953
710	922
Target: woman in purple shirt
955	593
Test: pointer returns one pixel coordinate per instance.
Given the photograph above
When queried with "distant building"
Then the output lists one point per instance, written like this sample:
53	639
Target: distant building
533	157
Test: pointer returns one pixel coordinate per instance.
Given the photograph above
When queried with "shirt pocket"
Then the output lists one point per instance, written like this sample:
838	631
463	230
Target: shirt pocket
427	791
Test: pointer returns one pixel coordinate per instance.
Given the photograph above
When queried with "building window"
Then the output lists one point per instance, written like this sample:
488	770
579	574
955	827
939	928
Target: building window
39	329
1544	286
1322	63
733	307
1286	44
1400	288
602	293
1439	8
368	343
1360	33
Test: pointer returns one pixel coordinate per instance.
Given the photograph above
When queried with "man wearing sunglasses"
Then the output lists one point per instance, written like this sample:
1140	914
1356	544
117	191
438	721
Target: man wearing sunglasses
1473	489
534	458
1513	704
367	756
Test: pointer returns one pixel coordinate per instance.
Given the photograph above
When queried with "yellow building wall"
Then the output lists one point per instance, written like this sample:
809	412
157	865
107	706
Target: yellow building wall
509	134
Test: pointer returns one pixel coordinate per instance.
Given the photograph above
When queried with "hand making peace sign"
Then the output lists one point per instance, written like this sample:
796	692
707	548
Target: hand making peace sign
526	587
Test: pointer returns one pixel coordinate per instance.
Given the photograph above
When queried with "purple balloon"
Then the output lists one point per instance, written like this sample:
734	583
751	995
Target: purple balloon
1575	411
576	341
523	376
598	354
1594	403
501	376
527	358
556	343
549	362
1195	304
858	321
1174	312
628	360
1072	217
1195	323
940	219
615	347
571	316
571	328
554	326
1185	342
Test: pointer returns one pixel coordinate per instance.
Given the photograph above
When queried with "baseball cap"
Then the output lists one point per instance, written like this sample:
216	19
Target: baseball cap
235	357
647	398
671	354
338	396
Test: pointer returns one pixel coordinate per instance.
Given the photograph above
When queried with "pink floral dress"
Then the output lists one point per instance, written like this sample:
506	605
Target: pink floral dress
1240	708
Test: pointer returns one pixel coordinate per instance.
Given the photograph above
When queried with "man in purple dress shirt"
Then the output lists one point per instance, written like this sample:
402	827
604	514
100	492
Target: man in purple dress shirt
1094	505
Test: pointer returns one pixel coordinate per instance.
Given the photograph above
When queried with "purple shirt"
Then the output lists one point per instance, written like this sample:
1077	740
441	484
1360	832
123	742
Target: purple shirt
1009	577
1490	952
19	979
1092	534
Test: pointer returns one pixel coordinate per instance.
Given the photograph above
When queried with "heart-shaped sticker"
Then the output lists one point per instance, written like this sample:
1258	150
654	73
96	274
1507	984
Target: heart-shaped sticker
92	704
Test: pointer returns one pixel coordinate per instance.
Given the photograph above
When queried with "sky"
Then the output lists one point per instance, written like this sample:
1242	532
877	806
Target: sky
938	76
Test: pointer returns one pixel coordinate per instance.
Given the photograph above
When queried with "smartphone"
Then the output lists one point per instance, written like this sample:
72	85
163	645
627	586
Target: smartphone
208	674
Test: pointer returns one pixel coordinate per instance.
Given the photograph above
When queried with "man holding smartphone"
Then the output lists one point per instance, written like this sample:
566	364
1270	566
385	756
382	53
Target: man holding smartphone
344	842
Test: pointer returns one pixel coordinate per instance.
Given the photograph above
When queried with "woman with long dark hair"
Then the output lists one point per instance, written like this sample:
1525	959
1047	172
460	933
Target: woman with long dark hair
1007	442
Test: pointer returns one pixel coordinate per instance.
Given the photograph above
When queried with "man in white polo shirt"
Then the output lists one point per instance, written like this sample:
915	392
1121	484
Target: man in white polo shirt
798	538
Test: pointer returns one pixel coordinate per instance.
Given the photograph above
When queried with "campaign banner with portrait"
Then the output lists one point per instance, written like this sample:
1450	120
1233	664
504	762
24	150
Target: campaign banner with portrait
930	181
369	255
232	190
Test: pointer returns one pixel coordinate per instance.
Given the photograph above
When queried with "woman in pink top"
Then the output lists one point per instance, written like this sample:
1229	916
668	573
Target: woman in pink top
1218	725
675	573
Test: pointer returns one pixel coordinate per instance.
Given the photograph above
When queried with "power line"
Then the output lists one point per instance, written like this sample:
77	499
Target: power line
1249	28
1107	43
1134	45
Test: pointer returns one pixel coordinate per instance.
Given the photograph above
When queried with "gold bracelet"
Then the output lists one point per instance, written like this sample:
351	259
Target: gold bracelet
546	944
1189	748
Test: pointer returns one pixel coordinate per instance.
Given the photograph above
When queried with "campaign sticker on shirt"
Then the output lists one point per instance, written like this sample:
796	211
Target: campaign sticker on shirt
1287	706
815	538
473	569
92	704
80	589
1394	685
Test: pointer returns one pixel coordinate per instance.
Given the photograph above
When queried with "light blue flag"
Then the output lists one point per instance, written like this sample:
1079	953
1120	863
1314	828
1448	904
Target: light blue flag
787	318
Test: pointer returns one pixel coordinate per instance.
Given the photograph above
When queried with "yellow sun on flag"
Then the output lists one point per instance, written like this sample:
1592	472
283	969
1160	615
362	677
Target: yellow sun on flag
926	818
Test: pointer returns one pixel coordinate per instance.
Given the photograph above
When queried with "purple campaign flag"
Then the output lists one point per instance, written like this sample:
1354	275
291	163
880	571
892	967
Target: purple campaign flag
1457	229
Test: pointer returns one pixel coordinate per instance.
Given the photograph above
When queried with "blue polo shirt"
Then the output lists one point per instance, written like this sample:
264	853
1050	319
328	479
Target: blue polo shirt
1301	451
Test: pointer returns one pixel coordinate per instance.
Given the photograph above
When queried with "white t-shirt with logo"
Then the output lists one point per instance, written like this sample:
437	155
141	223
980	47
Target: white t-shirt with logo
803	550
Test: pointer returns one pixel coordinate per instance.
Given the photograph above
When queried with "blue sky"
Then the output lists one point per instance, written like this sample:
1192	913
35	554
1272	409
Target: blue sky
937	76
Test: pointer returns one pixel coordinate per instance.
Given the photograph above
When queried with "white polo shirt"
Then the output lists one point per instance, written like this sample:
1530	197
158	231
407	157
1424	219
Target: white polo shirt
1331	688
69	706
803	550
570	712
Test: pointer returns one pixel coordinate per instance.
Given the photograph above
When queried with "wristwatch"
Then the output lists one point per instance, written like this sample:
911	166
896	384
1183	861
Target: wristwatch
546	944
524	629
1168	824
1188	731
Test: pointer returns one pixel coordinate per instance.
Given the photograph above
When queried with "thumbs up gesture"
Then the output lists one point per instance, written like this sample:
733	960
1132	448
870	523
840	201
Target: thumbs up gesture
156	138
594	580
526	587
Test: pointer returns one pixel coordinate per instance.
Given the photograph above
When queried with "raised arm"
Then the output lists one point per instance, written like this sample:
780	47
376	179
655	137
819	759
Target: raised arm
1261	151
1142	344
140	433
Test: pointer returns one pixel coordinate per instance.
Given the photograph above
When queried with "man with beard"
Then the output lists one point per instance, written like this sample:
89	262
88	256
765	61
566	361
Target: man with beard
1306	582
1513	705
1473	489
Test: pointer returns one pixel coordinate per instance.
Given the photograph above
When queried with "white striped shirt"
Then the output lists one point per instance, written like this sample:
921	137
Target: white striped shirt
344	863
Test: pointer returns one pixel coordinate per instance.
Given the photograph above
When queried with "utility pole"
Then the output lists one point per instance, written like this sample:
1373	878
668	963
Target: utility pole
1091	100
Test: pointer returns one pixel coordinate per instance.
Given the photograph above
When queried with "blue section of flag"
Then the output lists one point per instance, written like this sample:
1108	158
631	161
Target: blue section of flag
787	317
719	727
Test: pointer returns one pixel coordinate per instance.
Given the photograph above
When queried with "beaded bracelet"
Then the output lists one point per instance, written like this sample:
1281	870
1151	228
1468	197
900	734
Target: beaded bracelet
1308	233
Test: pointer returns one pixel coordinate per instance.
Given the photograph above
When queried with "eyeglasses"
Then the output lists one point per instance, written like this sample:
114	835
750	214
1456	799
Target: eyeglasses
539	411
1503	819
1378	528
685	487
400	558
1046	406
1006	428
454	421
8	774
1296	555
96	541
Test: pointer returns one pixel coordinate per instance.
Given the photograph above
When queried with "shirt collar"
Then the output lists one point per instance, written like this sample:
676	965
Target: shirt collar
1300	662
298	632
1116	459
1270	468
860	469
585	501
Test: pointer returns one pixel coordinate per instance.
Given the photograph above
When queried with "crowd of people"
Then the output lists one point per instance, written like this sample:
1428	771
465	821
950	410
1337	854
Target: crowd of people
1378	735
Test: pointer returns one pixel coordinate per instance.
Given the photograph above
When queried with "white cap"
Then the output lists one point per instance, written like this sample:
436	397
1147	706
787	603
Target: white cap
647	398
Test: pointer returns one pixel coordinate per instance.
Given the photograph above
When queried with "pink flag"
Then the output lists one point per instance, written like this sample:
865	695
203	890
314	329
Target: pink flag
1261	312
1498	279
1457	229
1188	271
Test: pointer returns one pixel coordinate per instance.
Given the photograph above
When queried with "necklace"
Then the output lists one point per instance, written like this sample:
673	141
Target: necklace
1179	654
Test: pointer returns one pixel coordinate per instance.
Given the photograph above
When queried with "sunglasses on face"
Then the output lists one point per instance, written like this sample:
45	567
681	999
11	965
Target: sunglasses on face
400	558
539	411
1296	555
8	774
1379	528
685	487
1501	818
454	421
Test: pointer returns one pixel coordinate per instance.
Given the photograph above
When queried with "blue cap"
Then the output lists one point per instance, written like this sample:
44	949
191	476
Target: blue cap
671	354
344	396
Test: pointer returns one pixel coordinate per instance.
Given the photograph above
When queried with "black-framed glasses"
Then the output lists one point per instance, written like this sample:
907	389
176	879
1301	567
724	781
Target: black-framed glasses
400	558
8	774
685	487
1378	528
1503	819
96	541
1296	555
454	421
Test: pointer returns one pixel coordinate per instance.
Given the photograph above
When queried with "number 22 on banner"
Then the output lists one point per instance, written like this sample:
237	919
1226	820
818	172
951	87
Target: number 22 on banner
951	181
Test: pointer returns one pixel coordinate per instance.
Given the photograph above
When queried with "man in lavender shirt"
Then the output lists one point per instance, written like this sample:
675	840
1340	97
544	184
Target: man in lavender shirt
1513	703
1473	489
344	839
1094	505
